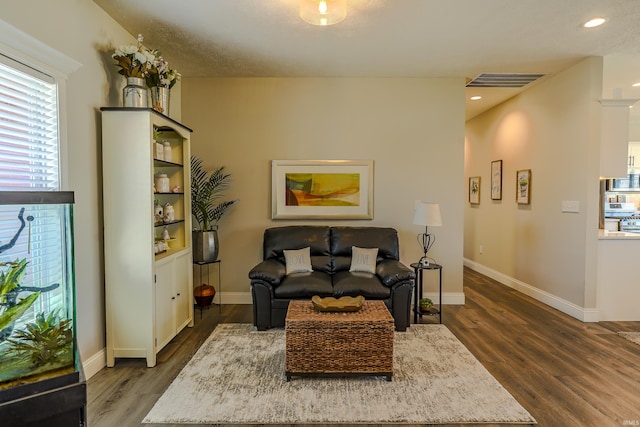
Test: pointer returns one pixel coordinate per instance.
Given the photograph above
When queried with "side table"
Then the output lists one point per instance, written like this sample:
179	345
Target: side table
419	269
202	264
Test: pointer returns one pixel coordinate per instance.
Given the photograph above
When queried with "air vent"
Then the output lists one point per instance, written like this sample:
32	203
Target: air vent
503	80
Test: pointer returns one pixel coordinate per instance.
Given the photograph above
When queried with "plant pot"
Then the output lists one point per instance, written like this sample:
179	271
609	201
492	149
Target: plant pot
134	93
204	294
205	246
160	97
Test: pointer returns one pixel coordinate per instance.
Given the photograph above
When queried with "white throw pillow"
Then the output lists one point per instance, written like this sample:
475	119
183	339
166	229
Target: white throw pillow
298	261
363	259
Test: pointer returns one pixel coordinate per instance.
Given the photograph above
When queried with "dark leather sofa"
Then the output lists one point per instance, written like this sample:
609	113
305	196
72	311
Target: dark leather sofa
330	250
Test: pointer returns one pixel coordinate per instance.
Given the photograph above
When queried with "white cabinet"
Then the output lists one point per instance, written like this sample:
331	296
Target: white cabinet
149	295
174	309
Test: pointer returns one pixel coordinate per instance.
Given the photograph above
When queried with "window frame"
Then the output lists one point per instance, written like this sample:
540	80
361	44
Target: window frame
25	49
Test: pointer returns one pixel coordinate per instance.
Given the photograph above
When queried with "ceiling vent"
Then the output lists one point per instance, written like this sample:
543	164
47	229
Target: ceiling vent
503	80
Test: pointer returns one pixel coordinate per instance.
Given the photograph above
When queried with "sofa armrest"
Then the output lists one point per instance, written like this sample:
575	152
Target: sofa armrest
392	271
271	271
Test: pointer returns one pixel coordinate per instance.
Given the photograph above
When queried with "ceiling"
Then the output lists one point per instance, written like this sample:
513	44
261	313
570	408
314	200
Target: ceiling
385	38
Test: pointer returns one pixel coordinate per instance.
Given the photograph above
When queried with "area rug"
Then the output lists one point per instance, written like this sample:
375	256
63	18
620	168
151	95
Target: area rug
631	336
237	377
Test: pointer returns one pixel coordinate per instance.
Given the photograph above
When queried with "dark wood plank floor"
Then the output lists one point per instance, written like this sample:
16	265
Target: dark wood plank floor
564	372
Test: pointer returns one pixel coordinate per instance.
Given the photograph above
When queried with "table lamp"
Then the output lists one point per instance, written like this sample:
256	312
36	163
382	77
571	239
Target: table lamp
427	214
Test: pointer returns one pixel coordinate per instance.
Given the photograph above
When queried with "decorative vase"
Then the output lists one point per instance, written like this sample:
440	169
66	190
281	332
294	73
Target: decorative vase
160	99
134	93
205	245
204	294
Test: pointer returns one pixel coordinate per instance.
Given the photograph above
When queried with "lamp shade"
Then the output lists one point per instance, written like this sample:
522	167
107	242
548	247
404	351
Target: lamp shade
323	12
427	214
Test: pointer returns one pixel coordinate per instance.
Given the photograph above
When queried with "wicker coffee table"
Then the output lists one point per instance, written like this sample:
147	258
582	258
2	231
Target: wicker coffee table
356	343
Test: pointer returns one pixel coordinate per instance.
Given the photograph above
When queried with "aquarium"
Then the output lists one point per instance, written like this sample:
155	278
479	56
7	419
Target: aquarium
37	303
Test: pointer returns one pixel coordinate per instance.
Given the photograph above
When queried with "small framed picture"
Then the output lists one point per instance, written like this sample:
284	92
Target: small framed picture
496	180
523	186
474	190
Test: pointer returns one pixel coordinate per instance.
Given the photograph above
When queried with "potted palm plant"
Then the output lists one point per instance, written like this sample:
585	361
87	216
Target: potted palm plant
207	190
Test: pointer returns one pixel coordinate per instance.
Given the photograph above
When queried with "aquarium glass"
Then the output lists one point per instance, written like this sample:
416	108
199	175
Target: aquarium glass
37	310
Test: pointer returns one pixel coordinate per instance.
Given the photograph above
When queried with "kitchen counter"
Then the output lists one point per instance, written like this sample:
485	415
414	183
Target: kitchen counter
618	291
617	235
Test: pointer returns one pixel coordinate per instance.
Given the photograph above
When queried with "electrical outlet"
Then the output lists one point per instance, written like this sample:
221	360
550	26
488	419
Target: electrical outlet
481	249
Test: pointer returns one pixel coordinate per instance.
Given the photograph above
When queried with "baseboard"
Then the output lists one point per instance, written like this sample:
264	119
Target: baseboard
234	298
448	298
95	363
567	307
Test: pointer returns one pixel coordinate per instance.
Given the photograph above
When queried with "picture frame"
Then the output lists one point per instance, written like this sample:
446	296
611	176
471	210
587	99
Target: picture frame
523	186
474	190
496	180
322	189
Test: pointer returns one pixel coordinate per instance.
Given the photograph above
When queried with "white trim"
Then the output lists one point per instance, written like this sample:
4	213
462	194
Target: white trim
234	297
94	364
567	307
32	52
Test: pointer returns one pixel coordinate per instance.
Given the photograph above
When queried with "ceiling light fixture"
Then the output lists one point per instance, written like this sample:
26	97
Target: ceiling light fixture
594	22
475	98
636	84
323	12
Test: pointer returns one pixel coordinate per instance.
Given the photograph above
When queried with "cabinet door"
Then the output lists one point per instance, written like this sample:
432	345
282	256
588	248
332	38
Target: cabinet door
165	301
183	289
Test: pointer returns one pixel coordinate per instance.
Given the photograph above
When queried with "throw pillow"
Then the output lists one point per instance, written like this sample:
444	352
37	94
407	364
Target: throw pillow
298	261
363	259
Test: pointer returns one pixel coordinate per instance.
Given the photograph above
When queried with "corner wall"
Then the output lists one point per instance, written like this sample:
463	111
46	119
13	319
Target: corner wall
411	128
552	129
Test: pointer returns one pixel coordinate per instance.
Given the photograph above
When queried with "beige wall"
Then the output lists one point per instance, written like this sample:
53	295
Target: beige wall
552	129
413	129
82	31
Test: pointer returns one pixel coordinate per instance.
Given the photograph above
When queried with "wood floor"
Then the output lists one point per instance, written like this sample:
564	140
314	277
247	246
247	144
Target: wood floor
564	372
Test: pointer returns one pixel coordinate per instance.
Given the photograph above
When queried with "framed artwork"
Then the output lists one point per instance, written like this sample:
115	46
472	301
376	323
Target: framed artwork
322	189
474	190
523	186
496	180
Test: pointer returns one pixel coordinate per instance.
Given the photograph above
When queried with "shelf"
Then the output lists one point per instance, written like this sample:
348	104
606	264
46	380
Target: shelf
171	192
160	224
168	252
431	312
163	163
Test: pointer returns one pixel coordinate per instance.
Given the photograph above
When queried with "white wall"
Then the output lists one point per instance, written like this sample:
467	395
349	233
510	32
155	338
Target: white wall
84	32
413	129
552	129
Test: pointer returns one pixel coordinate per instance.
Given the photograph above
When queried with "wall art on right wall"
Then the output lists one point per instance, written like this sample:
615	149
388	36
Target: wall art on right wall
523	187
496	180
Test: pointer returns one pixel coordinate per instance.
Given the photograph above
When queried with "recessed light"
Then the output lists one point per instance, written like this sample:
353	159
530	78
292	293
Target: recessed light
594	22
475	98
636	84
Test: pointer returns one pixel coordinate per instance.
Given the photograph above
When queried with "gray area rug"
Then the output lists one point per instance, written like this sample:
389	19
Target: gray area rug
237	377
631	336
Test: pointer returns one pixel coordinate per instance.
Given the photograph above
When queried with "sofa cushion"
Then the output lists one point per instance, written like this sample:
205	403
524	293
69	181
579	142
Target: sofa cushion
297	261
304	285
363	259
343	238
277	239
368	285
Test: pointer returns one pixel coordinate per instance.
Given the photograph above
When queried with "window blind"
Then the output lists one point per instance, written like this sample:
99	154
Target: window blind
29	153
28	129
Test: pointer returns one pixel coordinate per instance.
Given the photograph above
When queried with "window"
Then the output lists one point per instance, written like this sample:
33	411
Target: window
28	129
29	161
